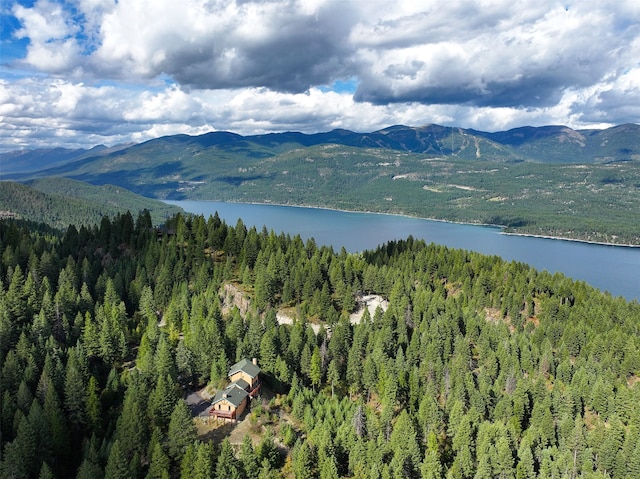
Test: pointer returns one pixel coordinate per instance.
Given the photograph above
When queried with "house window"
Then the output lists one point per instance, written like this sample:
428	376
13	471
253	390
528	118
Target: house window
229	408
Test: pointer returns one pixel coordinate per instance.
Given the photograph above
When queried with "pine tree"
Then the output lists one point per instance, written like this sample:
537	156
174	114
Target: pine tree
45	472
38	421
20	456
188	461
159	464
228	466
7	415
184	361
94	408
333	374
431	467
131	427
16	297
249	459
329	468
359	421
269	349
203	465
162	401
525	468
303	461
60	438
267	449
406	451
315	368
504	459
24	398
75	390
464	447
89	470
117	464
12	372
91	335
182	431
633	467
266	472
164	361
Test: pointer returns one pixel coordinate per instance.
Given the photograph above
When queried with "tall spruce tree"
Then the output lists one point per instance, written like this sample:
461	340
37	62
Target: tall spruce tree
182	431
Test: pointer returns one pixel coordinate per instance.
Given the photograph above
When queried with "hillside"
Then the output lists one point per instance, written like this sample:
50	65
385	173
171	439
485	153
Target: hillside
559	144
551	144
60	202
548	181
26	161
477	368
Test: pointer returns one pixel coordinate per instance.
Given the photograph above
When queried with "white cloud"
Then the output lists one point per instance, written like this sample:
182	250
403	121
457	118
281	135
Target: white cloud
51	32
112	71
495	60
282	44
41	113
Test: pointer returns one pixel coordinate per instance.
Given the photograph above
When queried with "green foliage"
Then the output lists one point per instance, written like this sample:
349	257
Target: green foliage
182	431
61	202
228	466
159	464
117	465
478	367
548	181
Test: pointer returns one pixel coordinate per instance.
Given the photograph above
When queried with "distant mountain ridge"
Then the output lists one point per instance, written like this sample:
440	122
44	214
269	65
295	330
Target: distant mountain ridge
26	161
552	144
551	181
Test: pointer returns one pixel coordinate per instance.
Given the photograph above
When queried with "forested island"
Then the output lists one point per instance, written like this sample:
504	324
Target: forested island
478	368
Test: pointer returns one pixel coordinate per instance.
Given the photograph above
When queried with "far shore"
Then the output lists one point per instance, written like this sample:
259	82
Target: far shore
576	240
502	227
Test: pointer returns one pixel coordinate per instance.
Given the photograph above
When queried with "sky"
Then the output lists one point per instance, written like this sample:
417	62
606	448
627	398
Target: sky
78	73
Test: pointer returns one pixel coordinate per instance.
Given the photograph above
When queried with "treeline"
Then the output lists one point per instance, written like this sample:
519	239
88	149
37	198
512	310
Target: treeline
61	201
479	368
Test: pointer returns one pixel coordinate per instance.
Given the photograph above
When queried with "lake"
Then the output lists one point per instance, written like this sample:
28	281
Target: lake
615	269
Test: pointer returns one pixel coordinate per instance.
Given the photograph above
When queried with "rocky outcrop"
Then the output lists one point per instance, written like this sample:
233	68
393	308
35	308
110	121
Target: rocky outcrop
232	296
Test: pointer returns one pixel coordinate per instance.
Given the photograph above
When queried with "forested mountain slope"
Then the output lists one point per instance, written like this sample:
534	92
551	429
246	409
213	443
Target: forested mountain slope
25	161
478	368
546	144
61	202
550	181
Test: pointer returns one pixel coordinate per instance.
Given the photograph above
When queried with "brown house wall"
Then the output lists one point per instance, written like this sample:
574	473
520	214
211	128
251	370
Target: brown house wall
226	406
242	375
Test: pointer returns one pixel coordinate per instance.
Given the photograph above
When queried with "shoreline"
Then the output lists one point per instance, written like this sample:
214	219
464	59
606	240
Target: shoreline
500	227
575	240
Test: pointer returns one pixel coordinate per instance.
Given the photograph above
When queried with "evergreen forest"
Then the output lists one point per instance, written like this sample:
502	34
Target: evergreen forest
478	368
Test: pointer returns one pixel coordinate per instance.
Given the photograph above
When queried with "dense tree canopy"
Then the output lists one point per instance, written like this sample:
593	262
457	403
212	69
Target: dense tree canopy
477	368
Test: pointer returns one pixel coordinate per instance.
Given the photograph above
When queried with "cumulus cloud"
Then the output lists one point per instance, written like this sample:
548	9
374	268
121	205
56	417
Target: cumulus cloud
285	45
506	61
51	32
41	113
130	69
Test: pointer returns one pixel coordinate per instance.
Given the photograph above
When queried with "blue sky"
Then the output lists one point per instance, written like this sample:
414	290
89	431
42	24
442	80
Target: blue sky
11	48
85	72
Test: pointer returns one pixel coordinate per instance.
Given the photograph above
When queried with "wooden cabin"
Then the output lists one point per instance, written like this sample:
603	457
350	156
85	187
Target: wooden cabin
245	383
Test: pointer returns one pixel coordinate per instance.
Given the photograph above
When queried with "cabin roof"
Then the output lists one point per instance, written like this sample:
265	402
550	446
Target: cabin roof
246	367
240	383
232	394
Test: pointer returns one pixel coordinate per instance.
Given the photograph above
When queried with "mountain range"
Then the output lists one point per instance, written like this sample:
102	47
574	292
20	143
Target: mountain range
553	180
549	144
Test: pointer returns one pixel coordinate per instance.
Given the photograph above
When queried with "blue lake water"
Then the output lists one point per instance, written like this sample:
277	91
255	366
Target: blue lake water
610	268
